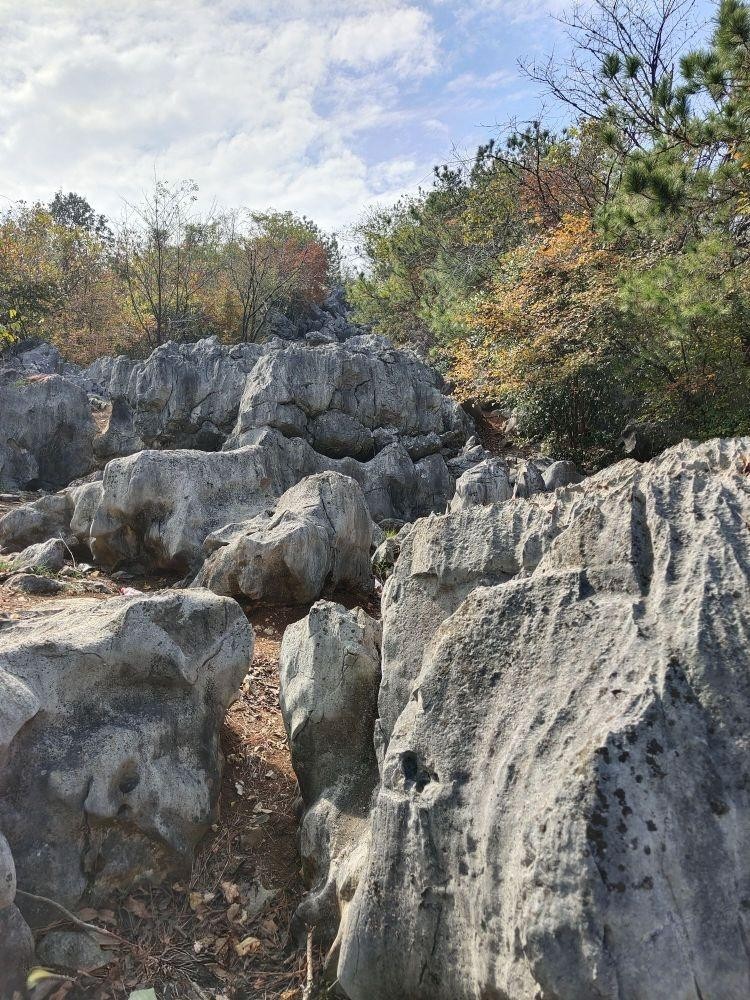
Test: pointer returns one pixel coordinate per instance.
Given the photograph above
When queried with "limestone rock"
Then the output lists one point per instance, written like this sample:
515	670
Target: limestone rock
35	522
564	721
158	507
38	586
16	952
49	556
72	950
527	480
484	483
318	536
329	674
181	396
109	737
46	432
559	474
339	396
7	875
16	942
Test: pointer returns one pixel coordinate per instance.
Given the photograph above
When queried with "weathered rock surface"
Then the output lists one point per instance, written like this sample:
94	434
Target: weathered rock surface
182	396
158	507
46	432
37	522
352	400
47	556
318	536
72	950
560	474
329	675
484	483
39	586
66	515
16	942
109	737
563	735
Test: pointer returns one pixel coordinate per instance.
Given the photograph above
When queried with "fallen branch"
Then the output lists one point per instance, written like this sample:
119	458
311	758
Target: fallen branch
90	929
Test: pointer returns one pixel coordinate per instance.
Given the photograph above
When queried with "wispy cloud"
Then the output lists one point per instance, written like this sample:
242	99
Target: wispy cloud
320	106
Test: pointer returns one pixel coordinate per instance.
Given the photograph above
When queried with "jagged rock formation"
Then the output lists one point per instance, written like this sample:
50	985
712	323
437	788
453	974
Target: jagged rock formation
66	515
46	432
318	536
560	474
482	484
158	507
352	400
47	556
182	396
329	674
109	737
563	717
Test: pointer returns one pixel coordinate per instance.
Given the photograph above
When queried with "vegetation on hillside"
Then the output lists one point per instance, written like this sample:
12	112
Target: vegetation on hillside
165	271
602	275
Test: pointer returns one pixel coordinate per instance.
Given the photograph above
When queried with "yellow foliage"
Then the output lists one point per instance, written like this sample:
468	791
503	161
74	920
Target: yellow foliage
543	317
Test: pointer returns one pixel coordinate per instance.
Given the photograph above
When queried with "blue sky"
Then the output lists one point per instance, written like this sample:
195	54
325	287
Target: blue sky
321	106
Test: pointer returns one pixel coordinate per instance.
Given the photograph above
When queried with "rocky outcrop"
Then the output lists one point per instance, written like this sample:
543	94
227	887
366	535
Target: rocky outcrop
46	432
35	522
158	507
109	737
485	483
317	537
66	515
329	674
560	474
182	396
563	714
352	400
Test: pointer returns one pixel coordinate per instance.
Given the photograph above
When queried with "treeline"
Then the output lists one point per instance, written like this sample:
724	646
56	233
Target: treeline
164	271
601	276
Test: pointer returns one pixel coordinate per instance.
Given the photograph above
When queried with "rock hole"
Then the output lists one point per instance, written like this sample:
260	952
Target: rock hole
415	772
128	782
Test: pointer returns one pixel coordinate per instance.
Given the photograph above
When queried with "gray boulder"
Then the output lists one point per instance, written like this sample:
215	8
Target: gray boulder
338	397
16	941
36	522
485	483
318	536
564	710
329	673
66	515
38	586
181	396
527	480
109	738
46	432
46	556
559	474
86	499
158	507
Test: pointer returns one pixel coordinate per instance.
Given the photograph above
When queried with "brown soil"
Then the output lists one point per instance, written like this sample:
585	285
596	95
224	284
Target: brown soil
490	426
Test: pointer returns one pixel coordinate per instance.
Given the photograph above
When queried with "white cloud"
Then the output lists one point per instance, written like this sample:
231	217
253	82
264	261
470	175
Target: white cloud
258	104
490	81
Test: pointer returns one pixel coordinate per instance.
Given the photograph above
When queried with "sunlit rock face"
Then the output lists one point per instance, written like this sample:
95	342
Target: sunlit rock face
563	739
109	737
